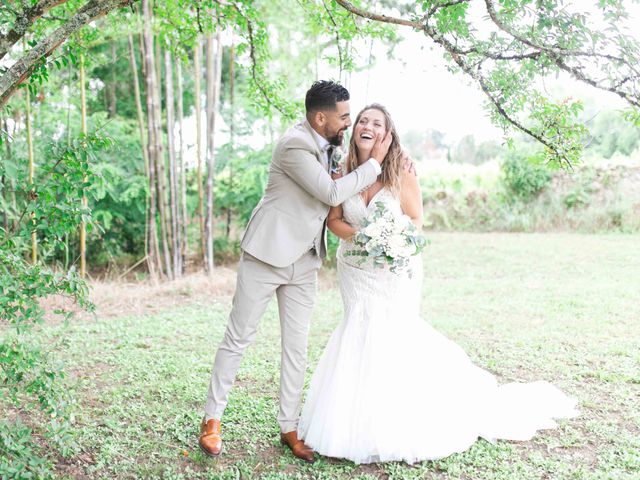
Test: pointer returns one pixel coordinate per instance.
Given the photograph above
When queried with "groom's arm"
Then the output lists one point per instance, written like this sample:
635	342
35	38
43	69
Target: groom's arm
303	168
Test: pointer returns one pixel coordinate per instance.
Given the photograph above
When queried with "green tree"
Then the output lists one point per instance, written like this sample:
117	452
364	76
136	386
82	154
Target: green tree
524	175
611	134
465	150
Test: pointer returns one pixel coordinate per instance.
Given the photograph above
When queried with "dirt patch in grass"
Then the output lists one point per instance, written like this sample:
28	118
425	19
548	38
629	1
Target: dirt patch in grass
74	467
115	299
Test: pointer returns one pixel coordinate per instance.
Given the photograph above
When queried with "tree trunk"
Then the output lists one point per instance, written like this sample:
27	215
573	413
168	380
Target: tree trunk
3	180
173	173
161	179
139	111
232	61
65	243
184	219
145	155
83	226
14	203
154	261
142	54
114	82
34	238
197	59
214	64
24	20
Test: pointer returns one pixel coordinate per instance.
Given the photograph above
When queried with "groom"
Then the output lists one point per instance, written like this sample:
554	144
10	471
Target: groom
282	250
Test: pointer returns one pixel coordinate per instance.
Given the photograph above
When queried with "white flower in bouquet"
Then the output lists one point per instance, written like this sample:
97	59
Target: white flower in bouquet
372	246
388	239
398	246
373	230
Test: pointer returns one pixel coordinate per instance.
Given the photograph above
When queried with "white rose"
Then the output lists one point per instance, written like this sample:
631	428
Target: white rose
373	230
397	246
371	245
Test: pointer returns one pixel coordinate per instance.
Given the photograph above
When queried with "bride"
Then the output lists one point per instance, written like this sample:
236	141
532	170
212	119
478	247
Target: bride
388	386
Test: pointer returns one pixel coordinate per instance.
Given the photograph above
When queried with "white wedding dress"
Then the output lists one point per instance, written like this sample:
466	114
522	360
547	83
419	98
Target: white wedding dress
390	387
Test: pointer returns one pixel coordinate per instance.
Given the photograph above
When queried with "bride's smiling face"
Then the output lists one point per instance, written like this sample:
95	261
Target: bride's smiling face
370	124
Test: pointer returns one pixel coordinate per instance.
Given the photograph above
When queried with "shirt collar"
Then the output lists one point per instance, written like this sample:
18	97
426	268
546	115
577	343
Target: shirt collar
323	143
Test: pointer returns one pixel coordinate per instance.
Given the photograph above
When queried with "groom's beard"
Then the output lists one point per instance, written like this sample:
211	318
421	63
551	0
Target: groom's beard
336	140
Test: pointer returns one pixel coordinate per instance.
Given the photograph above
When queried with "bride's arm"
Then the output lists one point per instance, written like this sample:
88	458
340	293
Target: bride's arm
337	225
411	198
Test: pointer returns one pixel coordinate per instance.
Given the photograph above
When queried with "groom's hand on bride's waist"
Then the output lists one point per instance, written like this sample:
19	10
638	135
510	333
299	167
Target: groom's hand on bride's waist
408	164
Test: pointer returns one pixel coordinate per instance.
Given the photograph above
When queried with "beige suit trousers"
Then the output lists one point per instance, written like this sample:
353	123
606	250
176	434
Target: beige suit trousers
295	288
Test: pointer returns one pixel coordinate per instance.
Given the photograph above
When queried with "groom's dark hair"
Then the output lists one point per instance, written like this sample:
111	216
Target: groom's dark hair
323	95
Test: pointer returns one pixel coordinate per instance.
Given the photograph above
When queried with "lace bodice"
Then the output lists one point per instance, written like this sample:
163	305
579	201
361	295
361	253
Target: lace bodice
355	213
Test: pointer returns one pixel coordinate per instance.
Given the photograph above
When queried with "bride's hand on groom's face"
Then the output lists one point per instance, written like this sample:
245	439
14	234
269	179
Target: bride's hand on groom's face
381	147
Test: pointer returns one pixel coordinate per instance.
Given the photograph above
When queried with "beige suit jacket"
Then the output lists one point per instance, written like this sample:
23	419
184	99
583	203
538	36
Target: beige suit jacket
291	216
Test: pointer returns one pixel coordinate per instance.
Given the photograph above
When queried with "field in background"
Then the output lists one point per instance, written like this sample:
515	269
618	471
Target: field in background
558	307
600	195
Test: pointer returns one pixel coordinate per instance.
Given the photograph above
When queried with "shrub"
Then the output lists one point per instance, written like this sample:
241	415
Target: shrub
18	459
29	376
524	177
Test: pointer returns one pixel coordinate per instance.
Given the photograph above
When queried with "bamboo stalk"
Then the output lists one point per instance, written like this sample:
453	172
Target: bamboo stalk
83	226
182	170
4	178
34	236
141	126
197	54
214	67
173	174
163	198
232	61
154	262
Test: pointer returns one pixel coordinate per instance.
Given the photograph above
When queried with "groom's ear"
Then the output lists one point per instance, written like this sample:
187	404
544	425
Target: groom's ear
319	118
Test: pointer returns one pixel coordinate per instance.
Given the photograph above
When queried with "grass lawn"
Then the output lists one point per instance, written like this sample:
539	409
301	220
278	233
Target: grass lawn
563	308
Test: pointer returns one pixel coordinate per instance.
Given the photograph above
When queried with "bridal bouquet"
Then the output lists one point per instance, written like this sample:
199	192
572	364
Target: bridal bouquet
388	239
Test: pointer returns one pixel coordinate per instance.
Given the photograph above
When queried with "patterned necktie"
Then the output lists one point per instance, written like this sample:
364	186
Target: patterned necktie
330	151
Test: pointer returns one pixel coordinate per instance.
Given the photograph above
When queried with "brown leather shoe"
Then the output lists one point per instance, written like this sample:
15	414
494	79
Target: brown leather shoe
210	440
297	446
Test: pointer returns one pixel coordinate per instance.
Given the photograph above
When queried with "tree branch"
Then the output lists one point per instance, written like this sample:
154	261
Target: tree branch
493	14
23	22
458	58
555	54
460	61
438	6
378	18
254	64
335	25
23	68
558	55
550	50
579	75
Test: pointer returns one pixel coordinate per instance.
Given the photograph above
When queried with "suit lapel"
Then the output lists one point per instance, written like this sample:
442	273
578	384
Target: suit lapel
317	151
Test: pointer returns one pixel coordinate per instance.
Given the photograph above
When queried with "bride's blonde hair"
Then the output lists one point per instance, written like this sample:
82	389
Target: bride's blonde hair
392	165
